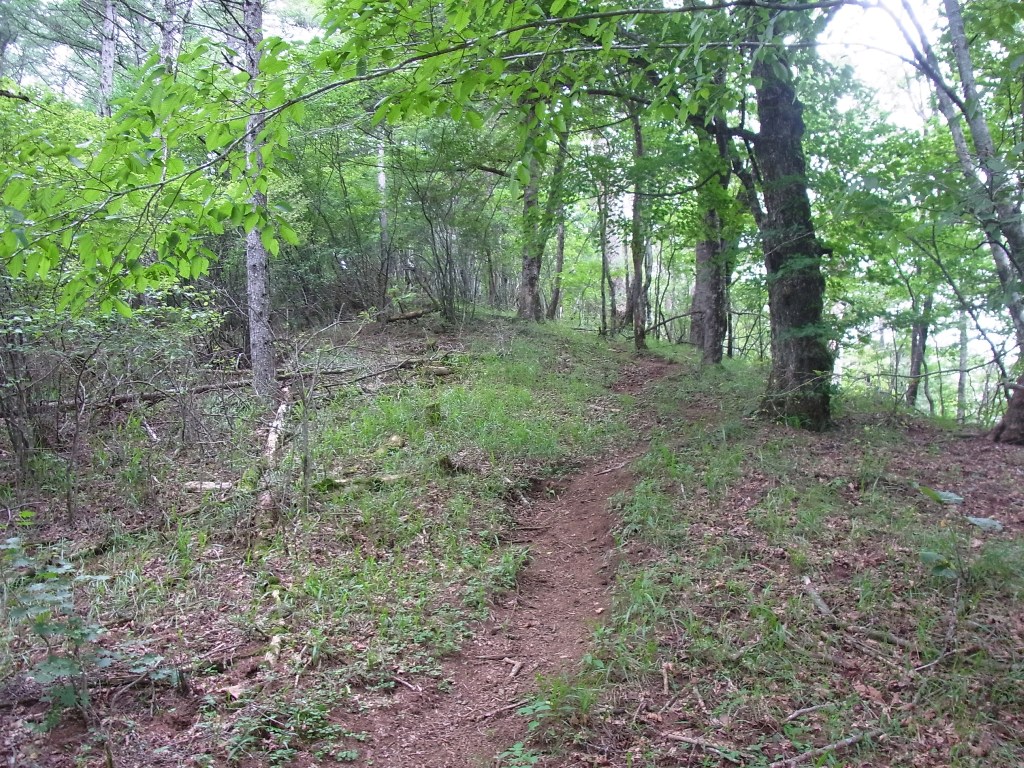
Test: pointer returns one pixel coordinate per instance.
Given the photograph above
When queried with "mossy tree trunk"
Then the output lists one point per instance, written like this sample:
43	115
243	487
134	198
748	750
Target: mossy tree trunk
800	378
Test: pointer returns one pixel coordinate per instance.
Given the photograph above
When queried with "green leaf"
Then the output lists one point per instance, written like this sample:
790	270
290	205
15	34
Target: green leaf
939	564
251	220
523	174
270	242
288	234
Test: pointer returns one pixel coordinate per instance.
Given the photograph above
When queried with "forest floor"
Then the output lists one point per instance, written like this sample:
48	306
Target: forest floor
514	546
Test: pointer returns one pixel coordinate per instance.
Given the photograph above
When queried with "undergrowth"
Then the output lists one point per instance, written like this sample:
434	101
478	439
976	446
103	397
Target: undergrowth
387	537
784	592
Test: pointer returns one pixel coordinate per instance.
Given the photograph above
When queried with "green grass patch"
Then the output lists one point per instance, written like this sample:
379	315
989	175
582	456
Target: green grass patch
735	531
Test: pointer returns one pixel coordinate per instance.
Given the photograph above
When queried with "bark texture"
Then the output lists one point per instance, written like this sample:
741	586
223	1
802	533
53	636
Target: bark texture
1011	428
172	29
708	324
800	378
533	248
637	307
538	224
108	54
918	347
257	260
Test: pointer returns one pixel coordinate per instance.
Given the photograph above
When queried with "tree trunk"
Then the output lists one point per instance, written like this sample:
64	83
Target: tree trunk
638	241
557	207
989	200
533	247
800	378
16	403
108	54
384	268
537	227
172	27
709	321
602	220
961	382
556	290
257	259
1003	191
1011	428
918	346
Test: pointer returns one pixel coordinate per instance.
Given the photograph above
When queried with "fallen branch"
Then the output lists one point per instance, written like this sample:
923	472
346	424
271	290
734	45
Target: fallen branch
807	710
724	752
835	746
270	449
410	686
828	613
817	599
409	315
613	469
499	710
836	661
965	651
205	486
158	396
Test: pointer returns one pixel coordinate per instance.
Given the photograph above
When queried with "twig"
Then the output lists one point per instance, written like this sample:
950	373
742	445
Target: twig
966	650
837	661
506	708
636	712
828	613
664	677
723	752
817	599
410	686
612	469
668	704
808	710
849	741
700	700
516	666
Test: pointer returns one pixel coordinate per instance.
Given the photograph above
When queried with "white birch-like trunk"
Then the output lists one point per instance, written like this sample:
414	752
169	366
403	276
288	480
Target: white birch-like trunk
172	28
257	259
989	185
961	384
108	54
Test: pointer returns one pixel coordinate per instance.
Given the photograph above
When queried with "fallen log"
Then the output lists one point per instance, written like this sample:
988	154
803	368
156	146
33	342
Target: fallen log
409	315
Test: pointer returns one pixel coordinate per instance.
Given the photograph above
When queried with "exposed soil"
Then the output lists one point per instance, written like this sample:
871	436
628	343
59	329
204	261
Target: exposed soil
540	630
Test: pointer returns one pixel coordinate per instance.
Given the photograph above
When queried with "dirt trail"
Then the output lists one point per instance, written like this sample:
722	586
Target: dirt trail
541	629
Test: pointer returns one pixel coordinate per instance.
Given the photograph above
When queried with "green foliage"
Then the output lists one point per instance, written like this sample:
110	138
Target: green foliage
281	729
38	611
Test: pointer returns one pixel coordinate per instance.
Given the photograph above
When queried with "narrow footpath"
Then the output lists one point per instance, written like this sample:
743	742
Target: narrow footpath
540	629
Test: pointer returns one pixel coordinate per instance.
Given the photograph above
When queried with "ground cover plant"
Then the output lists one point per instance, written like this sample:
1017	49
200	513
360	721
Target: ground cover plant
220	630
770	596
849	598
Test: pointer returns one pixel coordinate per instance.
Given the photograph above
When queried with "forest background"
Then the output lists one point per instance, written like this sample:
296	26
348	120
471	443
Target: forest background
312	321
697	172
